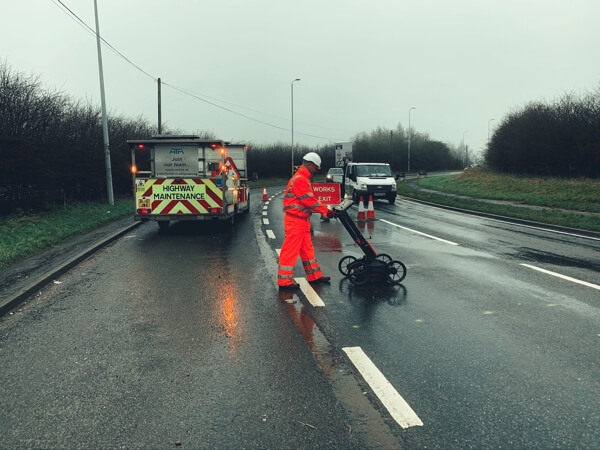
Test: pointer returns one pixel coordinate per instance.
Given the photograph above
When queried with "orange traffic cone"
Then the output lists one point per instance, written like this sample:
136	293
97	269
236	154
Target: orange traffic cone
370	209
361	210
265	196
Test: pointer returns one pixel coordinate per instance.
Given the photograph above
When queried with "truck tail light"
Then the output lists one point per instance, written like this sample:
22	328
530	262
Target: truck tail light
144	211
134	169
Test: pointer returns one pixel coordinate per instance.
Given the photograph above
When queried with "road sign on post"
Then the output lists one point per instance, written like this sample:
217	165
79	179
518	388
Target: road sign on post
343	152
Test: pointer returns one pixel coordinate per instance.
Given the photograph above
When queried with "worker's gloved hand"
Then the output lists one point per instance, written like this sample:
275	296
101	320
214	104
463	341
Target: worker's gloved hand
330	213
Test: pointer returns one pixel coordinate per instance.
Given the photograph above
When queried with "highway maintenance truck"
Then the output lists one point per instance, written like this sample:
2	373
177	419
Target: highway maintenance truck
180	177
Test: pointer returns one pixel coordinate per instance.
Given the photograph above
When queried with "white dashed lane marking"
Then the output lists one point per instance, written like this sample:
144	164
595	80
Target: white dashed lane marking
418	232
391	399
309	292
564	277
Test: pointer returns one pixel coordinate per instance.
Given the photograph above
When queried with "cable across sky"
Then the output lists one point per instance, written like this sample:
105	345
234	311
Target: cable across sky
181	90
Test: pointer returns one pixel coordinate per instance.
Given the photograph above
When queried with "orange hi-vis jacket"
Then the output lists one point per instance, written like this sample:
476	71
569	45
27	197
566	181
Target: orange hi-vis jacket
299	199
299	203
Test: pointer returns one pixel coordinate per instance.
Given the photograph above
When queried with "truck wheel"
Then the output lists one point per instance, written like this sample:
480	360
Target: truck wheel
163	225
247	210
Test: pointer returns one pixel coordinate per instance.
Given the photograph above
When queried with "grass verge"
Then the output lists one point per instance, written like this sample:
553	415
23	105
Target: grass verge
566	203
579	194
24	235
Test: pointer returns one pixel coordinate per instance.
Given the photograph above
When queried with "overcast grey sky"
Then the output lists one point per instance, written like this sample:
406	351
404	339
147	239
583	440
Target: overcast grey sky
362	63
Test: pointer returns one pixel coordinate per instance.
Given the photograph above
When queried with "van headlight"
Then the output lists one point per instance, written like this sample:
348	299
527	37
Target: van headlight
394	186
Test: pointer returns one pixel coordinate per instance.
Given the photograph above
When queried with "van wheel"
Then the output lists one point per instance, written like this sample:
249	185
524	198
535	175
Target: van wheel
354	197
392	200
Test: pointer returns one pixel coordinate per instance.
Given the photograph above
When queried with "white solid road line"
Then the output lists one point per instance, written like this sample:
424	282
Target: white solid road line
549	230
564	277
391	399
418	232
309	292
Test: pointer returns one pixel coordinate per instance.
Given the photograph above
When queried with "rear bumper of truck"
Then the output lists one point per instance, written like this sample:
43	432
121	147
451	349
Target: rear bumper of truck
174	217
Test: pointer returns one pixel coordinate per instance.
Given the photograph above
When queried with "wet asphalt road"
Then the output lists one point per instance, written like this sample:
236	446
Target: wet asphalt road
183	338
157	340
488	351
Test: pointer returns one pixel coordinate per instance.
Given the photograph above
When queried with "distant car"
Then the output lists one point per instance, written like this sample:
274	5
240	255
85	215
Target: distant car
334	175
422	172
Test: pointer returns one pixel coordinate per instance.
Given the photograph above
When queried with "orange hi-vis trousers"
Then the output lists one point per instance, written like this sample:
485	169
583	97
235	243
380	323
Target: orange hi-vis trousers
297	242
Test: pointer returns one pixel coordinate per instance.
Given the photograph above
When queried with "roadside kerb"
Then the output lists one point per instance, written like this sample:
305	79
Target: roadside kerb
24	293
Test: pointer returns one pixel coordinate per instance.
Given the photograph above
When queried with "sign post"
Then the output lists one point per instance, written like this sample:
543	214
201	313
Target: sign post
343	152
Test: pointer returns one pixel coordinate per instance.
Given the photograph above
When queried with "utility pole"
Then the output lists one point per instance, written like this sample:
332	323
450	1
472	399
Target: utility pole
292	87
489	121
109	186
159	109
408	166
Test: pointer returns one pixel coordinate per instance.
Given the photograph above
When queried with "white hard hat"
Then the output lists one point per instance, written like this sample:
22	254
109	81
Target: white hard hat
313	158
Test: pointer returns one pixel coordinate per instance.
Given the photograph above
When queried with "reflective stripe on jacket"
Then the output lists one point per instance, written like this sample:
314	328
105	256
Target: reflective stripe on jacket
299	199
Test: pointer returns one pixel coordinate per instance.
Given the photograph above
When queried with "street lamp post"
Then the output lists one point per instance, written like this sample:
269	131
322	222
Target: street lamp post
409	133
292	86
463	148
392	148
489	130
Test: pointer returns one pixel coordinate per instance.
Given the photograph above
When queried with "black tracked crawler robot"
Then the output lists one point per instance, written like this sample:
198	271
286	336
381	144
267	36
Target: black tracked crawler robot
372	267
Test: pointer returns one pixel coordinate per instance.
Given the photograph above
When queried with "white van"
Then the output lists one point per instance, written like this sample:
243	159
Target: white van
366	179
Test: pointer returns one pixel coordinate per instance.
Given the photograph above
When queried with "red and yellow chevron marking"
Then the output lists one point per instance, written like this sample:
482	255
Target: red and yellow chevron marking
179	195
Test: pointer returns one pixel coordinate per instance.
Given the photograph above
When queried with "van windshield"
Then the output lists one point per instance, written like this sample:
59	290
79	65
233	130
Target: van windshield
375	170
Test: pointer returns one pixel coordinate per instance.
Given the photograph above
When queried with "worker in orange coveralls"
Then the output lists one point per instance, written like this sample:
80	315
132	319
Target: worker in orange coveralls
299	203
